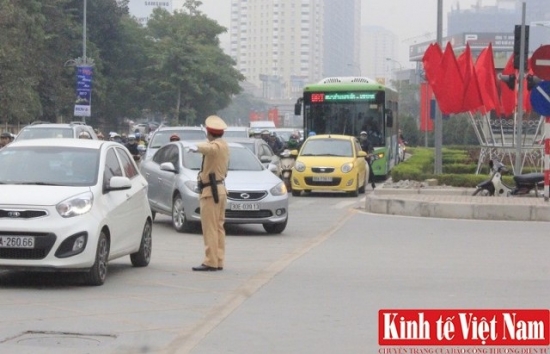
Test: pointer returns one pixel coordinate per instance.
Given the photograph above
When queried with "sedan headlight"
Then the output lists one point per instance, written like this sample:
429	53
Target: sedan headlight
279	189
300	166
347	167
192	185
77	205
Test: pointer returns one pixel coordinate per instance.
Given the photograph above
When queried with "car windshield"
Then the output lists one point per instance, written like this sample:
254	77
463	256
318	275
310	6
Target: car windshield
240	159
327	147
163	137
235	134
45	133
44	165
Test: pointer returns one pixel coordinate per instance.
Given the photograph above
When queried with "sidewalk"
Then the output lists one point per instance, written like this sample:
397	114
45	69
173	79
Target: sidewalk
456	203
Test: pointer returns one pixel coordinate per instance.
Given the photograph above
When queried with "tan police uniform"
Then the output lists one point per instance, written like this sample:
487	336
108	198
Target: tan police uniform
215	160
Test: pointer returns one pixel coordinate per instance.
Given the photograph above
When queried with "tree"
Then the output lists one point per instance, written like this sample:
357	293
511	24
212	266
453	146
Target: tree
192	76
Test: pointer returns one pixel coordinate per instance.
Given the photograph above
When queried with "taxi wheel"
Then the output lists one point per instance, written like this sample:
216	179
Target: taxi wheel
362	188
355	193
296	193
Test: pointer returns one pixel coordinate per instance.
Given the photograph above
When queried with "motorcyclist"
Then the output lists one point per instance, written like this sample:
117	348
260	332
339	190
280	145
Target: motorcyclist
265	135
84	135
132	145
366	146
275	143
293	142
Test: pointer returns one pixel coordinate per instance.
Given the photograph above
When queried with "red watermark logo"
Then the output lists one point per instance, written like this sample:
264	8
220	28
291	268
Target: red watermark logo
464	327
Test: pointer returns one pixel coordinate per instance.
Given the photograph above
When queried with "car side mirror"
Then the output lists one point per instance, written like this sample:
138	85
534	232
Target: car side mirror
168	166
362	154
298	107
265	159
117	183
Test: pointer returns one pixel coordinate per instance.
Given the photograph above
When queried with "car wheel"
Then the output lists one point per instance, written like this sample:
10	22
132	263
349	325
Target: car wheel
143	256
296	193
179	220
362	188
275	228
98	273
355	193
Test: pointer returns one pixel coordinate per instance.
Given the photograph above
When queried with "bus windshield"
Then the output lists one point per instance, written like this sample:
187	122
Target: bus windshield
347	118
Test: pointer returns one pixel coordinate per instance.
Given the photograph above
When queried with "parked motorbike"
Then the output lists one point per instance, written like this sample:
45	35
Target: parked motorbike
494	186
287	160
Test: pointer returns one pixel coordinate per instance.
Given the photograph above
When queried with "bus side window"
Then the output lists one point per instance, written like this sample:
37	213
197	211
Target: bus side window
389	118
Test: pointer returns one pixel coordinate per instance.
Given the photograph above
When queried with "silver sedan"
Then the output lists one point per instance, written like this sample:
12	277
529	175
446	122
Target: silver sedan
255	195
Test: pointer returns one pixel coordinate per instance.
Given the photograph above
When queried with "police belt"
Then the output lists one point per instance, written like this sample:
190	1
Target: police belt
204	185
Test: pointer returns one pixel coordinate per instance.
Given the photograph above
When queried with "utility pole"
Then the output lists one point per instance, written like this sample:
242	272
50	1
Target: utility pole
519	118
438	124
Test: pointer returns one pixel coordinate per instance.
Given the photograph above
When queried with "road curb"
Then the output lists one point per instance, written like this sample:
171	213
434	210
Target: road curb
456	204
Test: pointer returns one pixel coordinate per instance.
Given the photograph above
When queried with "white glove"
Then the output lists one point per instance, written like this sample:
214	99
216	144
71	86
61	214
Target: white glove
192	148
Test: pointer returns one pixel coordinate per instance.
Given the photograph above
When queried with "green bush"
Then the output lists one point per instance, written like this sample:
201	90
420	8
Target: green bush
459	168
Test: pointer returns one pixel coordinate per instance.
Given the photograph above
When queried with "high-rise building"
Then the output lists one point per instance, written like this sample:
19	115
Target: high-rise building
378	53
281	45
502	18
142	9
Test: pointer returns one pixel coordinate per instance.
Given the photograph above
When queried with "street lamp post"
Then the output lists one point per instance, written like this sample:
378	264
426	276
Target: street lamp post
355	65
84	75
395	76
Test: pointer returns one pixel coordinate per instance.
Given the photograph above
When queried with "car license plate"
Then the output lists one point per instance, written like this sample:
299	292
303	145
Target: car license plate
322	179
245	206
16	242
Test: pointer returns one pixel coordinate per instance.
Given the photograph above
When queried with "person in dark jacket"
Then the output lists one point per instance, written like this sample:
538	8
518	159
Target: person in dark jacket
366	146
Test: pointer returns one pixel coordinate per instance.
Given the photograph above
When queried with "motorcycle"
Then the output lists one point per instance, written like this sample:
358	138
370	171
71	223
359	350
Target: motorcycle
287	160
495	186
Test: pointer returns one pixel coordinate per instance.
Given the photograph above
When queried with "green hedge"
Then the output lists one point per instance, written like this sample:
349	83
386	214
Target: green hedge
459	168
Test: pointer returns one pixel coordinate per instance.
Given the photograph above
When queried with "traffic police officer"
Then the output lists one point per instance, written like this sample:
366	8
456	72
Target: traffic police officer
213	197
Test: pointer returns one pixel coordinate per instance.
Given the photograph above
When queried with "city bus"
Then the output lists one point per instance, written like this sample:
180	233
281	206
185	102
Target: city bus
350	105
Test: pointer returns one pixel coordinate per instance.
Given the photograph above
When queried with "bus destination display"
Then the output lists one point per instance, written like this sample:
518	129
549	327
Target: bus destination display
342	97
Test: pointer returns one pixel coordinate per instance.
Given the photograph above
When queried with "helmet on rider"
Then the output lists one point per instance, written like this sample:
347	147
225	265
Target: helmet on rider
174	137
84	135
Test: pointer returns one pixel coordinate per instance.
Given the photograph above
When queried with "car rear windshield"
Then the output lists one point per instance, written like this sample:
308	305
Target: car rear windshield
163	137
240	159
235	134
45	133
327	147
59	166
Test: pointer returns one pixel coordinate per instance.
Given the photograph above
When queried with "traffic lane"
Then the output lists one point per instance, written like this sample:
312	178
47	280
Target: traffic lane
328	300
146	308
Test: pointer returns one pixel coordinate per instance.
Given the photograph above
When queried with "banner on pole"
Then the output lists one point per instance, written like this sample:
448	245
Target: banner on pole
83	103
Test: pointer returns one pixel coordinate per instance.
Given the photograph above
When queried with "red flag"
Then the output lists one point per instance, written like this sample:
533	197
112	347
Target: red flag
449	83
508	97
432	63
471	98
485	69
426	123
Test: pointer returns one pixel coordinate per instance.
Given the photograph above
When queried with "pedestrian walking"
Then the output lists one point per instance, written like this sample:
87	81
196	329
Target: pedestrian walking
213	196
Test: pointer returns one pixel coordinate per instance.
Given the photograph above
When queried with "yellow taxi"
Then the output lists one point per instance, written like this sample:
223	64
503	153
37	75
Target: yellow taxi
330	163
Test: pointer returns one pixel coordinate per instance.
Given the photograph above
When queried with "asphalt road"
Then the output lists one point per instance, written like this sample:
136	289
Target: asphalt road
316	288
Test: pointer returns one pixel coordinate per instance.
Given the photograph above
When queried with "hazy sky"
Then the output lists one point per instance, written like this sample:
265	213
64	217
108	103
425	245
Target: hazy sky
410	20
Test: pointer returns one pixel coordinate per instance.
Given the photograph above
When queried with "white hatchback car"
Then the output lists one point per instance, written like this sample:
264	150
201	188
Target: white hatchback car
72	205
